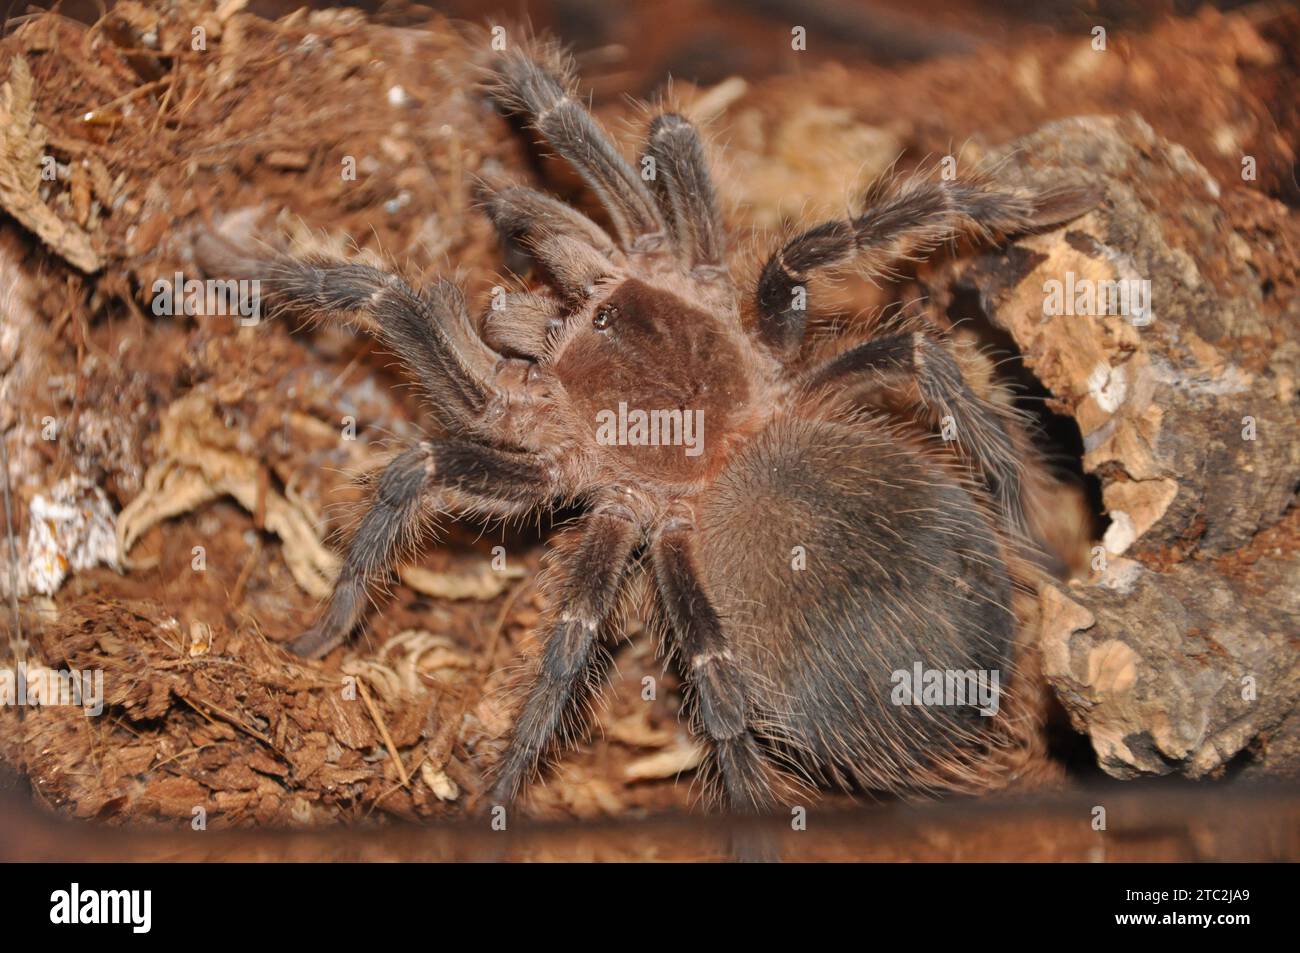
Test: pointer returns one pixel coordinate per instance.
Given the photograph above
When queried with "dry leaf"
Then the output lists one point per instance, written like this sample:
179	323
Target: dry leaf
22	144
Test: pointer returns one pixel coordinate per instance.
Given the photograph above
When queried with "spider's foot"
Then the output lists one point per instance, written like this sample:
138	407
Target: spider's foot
755	845
316	642
503	792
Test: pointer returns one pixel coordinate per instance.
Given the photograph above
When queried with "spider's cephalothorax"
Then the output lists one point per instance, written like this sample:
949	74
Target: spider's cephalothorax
802	549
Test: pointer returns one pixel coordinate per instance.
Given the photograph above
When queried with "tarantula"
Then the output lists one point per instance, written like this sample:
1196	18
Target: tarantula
905	547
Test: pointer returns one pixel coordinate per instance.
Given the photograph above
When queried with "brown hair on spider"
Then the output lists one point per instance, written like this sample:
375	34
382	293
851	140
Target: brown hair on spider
585	391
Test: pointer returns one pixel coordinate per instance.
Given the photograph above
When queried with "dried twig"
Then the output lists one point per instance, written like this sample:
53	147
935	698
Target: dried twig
230	719
383	732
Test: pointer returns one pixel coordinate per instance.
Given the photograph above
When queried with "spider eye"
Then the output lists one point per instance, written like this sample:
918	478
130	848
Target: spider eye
604	315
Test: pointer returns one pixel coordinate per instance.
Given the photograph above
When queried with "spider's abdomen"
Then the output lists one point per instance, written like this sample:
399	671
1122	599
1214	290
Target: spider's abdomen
866	592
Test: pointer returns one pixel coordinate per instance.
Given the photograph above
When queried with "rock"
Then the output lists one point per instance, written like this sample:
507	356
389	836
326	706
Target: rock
1166	324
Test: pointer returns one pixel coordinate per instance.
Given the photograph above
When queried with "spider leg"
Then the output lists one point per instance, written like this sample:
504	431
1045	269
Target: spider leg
574	250
591	576
901	221
463	476
520	212
980	428
718	688
685	190
429	331
545	94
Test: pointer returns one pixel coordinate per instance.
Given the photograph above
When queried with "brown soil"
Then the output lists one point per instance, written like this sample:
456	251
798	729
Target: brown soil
158	143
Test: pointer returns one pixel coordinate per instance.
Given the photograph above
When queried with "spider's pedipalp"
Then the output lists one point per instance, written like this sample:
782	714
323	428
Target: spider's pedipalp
546	95
591	575
976	424
900	222
464	475
429	331
523	324
685	190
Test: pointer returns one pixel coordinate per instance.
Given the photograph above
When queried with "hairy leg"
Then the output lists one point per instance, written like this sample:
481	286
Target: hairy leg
980	428
901	221
685	191
429	331
590	578
721	697
574	251
545	93
519	212
462	475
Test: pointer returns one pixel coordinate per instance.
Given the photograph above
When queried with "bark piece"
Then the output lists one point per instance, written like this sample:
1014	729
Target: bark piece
1181	649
